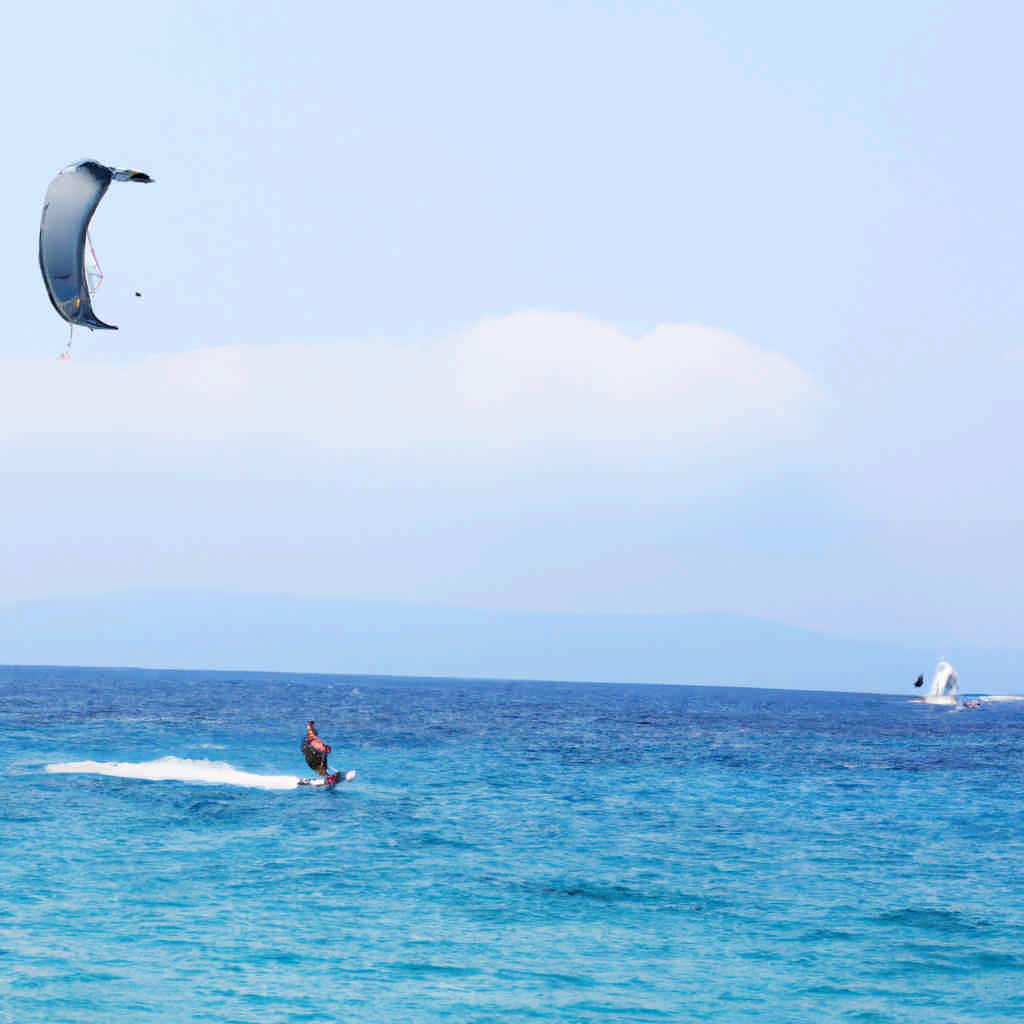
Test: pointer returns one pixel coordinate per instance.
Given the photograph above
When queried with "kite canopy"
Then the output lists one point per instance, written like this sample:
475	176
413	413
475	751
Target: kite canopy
70	271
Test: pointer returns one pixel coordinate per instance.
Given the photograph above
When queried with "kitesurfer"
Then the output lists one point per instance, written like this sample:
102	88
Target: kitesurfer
315	750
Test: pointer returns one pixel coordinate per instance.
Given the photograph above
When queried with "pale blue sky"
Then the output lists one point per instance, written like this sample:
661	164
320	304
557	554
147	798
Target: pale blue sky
593	307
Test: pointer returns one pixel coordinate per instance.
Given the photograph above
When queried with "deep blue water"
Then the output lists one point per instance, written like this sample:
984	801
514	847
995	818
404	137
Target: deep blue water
508	852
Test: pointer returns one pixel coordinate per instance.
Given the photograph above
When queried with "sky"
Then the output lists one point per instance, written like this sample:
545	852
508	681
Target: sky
647	308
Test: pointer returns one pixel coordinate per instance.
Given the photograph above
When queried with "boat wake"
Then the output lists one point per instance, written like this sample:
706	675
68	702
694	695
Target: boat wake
177	769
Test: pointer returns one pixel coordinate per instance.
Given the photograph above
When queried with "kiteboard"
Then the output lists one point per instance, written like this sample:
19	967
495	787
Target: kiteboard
328	781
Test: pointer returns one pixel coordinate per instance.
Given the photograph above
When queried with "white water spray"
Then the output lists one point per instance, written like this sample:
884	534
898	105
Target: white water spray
177	769
945	685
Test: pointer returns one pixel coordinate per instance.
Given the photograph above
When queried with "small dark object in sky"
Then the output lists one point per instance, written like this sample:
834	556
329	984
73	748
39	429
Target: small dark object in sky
920	681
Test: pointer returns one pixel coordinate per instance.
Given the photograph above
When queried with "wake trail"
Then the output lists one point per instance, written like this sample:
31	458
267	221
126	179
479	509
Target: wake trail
176	769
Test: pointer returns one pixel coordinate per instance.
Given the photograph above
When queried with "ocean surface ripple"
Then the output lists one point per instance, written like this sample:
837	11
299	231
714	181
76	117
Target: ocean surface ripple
540	852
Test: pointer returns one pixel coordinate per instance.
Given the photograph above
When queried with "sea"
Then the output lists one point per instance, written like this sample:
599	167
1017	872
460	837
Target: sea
508	851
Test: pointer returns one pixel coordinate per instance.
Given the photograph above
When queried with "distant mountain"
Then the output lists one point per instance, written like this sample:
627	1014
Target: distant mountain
216	631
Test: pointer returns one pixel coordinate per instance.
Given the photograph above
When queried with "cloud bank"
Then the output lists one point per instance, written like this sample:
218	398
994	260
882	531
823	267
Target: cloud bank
506	396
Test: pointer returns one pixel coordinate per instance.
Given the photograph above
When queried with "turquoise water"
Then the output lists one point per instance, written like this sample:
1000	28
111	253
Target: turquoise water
507	852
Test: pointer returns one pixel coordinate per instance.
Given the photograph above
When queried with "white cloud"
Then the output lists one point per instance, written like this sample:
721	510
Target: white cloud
528	390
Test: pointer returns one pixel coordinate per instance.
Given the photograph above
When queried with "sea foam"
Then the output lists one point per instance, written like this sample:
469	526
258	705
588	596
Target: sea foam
177	769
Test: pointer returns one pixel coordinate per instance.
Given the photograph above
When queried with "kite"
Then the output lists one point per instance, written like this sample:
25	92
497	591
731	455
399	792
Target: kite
67	259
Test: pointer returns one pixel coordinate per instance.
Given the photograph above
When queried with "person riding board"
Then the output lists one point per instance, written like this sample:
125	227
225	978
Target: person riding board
315	750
